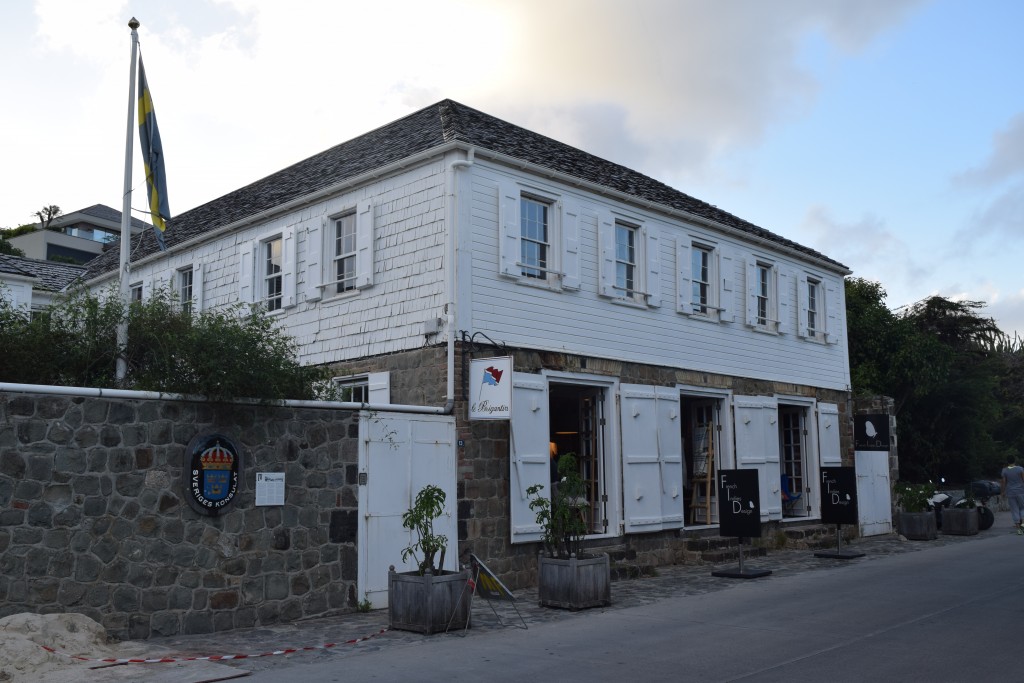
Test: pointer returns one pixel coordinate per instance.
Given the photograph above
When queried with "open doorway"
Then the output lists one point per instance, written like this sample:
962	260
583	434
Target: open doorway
792	461
702	458
577	419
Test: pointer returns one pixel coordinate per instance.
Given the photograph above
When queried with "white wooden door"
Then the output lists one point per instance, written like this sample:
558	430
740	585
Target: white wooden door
756	420
399	454
530	452
652	462
874	495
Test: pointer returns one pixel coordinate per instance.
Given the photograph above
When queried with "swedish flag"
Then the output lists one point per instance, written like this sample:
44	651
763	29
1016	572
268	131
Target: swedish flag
153	159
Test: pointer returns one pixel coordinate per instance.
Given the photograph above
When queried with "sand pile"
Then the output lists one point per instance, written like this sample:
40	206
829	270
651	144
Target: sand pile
22	659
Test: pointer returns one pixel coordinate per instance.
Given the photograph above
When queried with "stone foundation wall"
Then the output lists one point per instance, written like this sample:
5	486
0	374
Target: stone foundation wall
94	519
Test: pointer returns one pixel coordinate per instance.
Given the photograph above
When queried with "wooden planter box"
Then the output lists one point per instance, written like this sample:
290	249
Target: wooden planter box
918	526
574	583
960	521
430	603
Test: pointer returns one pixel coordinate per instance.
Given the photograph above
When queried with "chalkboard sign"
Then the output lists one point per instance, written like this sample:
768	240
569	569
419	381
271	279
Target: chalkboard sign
739	504
838	495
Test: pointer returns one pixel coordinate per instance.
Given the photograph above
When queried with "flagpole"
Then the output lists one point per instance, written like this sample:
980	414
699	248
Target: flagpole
126	212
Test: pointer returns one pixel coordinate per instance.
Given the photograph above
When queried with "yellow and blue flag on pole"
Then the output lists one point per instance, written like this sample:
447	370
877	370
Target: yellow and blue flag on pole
153	159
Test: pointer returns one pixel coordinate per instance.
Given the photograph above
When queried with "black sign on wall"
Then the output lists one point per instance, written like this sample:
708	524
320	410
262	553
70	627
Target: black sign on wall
212	467
739	504
838	495
871	432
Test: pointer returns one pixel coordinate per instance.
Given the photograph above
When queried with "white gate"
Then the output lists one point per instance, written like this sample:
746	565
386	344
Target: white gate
874	495
400	453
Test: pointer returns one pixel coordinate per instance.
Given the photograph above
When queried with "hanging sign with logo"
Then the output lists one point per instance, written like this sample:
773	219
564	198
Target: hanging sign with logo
490	388
212	466
871	432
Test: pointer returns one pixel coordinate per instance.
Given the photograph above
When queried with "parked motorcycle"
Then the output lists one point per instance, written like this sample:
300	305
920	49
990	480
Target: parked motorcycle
981	491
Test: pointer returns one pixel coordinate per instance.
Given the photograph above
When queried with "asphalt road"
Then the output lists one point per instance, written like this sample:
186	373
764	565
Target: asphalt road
947	613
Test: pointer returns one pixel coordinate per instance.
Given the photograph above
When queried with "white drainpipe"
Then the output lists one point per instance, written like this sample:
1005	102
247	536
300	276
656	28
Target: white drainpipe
451	237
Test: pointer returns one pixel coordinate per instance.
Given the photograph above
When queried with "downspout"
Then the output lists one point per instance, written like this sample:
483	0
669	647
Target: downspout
451	235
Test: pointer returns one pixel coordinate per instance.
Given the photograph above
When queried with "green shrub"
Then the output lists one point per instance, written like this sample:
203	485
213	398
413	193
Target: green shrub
220	354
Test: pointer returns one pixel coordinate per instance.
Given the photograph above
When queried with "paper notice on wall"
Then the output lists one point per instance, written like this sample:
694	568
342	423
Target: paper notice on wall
270	488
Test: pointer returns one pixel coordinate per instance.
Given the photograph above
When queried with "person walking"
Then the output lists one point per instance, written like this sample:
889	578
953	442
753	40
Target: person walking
1013	489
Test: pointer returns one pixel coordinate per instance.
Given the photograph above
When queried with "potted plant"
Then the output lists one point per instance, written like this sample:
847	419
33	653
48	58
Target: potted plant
916	522
566	576
427	599
961	519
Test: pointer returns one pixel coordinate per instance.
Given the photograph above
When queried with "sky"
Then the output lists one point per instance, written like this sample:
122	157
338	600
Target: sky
887	134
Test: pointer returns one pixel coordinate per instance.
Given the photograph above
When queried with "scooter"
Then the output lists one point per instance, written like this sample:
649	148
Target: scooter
941	499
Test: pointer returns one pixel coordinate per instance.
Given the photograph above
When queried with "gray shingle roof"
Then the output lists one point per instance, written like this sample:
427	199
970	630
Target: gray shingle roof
433	126
50	276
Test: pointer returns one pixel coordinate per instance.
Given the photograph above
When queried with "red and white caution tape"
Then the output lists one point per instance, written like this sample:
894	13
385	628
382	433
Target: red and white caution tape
212	658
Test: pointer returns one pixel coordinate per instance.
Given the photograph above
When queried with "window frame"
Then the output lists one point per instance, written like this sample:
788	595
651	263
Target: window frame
270	280
184	283
718	283
375	387
322	281
822	330
764	290
562	270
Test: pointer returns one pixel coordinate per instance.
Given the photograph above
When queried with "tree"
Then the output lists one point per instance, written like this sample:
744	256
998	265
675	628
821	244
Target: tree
46	215
222	355
937	360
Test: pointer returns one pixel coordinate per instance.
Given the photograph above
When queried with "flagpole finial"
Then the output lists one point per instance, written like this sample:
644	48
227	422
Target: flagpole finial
134	23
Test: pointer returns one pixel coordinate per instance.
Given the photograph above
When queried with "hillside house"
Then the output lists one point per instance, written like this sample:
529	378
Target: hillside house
654	335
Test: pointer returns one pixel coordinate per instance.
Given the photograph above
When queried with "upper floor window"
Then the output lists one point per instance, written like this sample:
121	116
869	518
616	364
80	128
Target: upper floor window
344	257
626	259
629	266
273	279
535	245
135	294
184	288
813	301
762	296
700	279
340	252
817	318
538	240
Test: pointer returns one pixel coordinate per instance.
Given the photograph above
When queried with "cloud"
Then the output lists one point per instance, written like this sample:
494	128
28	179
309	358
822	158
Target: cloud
1005	161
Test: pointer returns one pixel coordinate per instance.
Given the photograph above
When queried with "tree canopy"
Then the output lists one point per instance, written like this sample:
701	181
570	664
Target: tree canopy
957	381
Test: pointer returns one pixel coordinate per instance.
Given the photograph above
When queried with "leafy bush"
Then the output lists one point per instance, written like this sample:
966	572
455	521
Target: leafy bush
913	497
559	517
221	354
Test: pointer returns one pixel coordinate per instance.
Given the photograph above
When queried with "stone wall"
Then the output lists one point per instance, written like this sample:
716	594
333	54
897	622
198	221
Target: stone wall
94	517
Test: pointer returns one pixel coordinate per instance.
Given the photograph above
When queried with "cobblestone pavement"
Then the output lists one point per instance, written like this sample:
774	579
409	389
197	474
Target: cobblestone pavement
670	581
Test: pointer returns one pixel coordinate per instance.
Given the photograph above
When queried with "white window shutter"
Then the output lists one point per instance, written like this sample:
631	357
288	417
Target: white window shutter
529	452
670	454
833	313
379	388
653	254
684	286
147	289
197	287
802	302
509	230
652	463
829	451
245	273
726	298
606	254
751	267
314	254
756	420
783	294
570	245
364	244
289	253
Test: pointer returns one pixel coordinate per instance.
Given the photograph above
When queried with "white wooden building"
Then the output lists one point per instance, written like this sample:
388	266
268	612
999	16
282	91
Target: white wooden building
658	337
